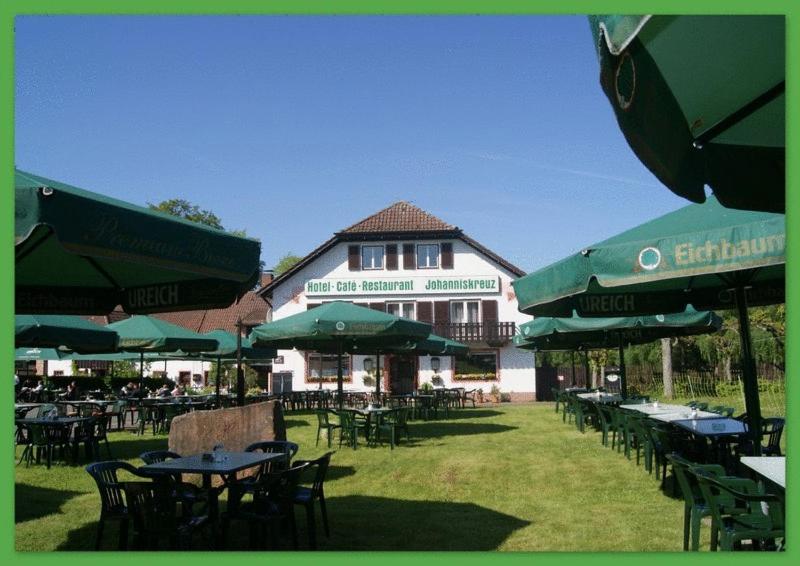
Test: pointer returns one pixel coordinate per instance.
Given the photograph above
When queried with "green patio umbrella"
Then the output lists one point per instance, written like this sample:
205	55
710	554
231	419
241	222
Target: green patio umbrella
79	252
62	331
148	334
338	327
575	333
701	101
703	255
36	354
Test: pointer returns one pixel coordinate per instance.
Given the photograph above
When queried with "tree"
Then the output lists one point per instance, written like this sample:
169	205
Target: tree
666	365
184	209
286	263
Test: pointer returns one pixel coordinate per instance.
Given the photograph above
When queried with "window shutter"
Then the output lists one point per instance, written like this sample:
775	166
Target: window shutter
354	258
447	255
441	318
409	257
425	311
489	311
310	306
391	257
378	306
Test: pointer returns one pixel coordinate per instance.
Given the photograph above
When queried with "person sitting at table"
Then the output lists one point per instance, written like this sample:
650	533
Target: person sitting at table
126	390
178	391
163	391
72	392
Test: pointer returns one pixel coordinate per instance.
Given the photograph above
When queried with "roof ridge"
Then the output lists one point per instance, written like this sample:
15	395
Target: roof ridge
399	216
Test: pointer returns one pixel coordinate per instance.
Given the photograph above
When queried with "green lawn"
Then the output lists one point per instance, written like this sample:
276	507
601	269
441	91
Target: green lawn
497	477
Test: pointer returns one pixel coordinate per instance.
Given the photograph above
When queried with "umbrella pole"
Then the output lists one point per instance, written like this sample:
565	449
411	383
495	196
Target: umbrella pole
378	376
623	378
752	402
219	366
339	377
572	359
239	372
141	372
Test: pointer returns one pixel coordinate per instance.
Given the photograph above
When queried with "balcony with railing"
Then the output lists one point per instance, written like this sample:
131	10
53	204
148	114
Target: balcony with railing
494	334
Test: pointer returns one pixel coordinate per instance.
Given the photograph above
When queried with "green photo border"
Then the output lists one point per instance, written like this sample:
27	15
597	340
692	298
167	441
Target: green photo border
10	8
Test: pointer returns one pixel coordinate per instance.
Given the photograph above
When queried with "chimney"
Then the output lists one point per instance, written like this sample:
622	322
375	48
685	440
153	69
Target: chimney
266	278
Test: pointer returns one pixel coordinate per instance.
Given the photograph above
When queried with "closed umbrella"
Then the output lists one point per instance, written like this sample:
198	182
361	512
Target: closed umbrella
147	334
62	331
702	255
78	252
701	101
338	327
575	333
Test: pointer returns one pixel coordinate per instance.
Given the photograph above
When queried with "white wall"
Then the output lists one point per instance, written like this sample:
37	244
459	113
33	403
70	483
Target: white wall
516	371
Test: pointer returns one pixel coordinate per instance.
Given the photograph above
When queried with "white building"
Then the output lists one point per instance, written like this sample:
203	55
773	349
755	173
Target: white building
407	262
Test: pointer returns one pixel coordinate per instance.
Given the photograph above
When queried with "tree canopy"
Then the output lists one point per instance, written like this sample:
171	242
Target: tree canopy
285	263
185	209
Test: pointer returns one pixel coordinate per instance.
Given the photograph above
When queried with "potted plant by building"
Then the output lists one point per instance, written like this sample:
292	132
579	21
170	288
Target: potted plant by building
479	392
426	387
495	393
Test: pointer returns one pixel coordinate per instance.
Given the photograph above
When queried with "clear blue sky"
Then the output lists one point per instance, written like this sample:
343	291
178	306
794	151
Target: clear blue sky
295	127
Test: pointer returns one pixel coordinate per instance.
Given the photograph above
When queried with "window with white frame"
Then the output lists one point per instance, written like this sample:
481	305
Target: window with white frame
406	310
478	366
465	311
371	257
427	256
324	367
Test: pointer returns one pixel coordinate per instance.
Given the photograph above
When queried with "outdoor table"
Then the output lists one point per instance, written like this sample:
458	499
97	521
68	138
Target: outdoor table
683	415
225	465
652	409
718	431
772	468
602	398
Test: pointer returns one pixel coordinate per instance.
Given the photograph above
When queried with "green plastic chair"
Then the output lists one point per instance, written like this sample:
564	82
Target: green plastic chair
606	421
695	505
556	392
324	423
741	511
350	428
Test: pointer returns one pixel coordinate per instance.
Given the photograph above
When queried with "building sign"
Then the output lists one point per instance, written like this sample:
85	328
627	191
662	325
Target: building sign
481	284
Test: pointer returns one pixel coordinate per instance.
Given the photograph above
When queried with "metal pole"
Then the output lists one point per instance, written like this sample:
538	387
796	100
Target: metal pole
572	359
339	375
141	372
239	372
378	376
219	368
623	379
752	402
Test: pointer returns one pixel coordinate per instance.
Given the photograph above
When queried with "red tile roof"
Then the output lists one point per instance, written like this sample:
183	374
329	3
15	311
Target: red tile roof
251	307
401	216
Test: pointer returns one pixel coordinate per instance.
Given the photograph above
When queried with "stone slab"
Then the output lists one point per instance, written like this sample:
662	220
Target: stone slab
234	427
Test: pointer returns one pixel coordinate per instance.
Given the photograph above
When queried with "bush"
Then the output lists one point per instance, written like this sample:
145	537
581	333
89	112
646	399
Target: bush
505	397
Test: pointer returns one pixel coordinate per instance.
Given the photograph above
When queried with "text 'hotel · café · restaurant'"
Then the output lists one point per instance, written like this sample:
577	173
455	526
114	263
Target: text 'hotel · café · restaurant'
407	262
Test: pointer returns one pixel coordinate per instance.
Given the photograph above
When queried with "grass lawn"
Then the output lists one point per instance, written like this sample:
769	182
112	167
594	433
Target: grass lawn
498	477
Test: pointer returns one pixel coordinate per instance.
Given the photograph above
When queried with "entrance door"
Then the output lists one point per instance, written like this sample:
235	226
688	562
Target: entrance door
402	371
